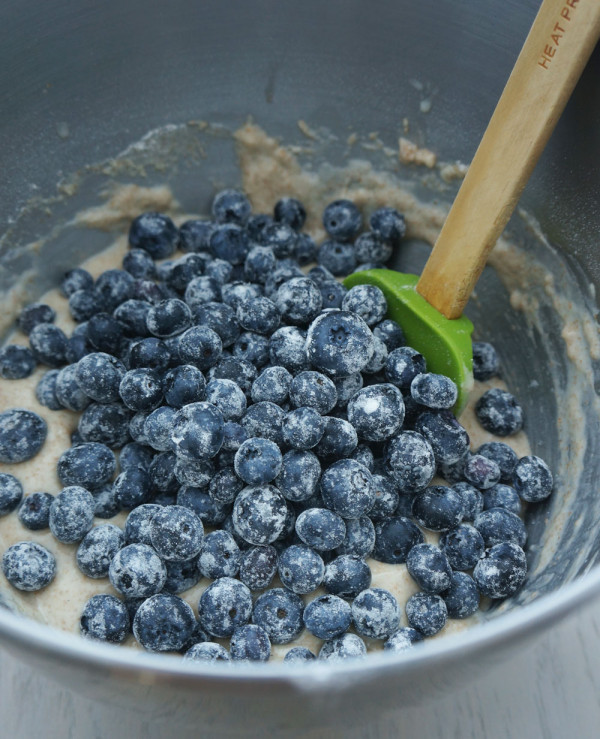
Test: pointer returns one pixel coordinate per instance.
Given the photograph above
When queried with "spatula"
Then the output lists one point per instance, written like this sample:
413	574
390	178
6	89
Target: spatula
429	308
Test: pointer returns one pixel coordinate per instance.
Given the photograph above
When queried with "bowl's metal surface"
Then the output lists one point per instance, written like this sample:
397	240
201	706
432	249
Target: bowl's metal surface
80	84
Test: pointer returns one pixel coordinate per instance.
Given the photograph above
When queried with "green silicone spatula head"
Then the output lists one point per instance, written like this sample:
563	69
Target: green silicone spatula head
429	308
445	344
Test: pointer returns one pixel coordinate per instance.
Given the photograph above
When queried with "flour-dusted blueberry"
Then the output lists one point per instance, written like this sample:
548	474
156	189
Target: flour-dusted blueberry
132	488
302	428
280	237
168	318
194	235
299	476
339	439
501	571
78	346
133	315
136	571
287	348
301	569
89	465
429	568
279	612
259	264
48	344
499	412
105	505
386	499
448	439
16	362
206	652
76	279
45	391
438	508
197	432
33	315
485	361
181	576
180	274
227	396
231	206
321	529
403	365
462	597
264	419
258	461
388	223
200	291
299	301
250	643
339	343
390	333
114	286
68	392
291	212
224	605
346	646
259	315
11	493
139	264
137	525
83	304
176	533
346	387
199	474
314	390
257	567
347	488
151	353
426	612
97	548
162	473
259	514
376	613
337	257
371	247
224	486
71	514
183	385
472	500
105	618
22	435
155	233
481	471
28	566
163	623
342	219
237	292
364	455
463	546
105	423
299	655
402	640
200	346
219	270
503	455
34	510
243	373
368	302
219	556
347	576
230	242
327	616
395	538
149	291
305	250
433	391
359	539
378	359
502	496
332	294
497	525
376	412
532	479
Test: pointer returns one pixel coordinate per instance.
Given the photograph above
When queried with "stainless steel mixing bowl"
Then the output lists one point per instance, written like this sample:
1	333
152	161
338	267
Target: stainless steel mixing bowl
79	82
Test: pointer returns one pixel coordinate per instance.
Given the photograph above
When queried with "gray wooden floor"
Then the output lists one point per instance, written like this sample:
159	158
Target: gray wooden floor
550	691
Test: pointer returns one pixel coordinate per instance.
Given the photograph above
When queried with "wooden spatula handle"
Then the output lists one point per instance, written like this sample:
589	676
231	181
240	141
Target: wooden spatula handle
556	50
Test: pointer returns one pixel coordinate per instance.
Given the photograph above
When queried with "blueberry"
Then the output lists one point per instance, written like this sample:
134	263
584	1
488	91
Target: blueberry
141	389
200	346
220	270
72	514
259	264
201	291
347	488
364	455
299	301
287	348
68	392
279	613
11	493
532	479
76	279
179	276
237	292
133	315
194	235
403	365
347	576
163	623
198	474
321	529
219	556
97	548
448	439
183	385
346	387
346	646
176	533
394	539
429	568
497	525
259	514
258	566
28	566
463	546
89	465
481	471
240	371
499	412
114	286
386	499
301	569
258	461
231	206
45	391
321	275
501	571
367	301
158	428
227	396
390	333
206	652
48	344
149	291
504	457
197	432
376	412
83	304
34	510
132	488
105	505
337	257
299	476
427	613
139	264
155	233
260	315
22	435
291	212
16	362
168	318
378	359
462	597
280	237
339	439
359	539
314	390
433	391
342	220
502	496
472	500
34	314
137	571
250	643
389	224
105	423
332	294
438	508
376	613
402	640
327	617
224	605
264	419
150	353
105	333
299	654
339	343
105	618
302	428
137	525
224	486
485	361
229	242
305	250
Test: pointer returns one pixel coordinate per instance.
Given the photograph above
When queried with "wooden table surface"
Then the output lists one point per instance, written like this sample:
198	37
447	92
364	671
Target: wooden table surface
551	690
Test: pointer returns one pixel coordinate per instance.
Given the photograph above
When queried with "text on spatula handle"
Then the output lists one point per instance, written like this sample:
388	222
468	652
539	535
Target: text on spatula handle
559	30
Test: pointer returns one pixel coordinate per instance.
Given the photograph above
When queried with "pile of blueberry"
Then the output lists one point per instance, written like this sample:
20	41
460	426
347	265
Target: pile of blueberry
254	421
